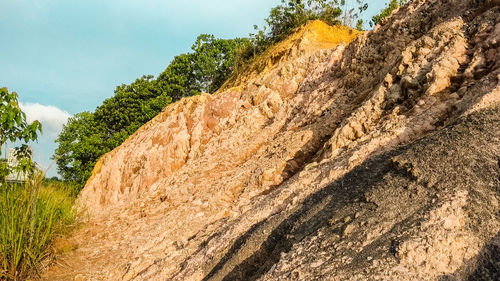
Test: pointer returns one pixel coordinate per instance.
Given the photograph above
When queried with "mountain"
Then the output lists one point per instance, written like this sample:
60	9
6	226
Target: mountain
336	155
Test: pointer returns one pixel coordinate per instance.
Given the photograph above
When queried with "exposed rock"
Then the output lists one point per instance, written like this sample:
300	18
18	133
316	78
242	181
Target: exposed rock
377	160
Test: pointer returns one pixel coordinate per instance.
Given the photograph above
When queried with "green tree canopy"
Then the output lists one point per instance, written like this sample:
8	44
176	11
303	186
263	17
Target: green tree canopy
213	61
80	144
89	135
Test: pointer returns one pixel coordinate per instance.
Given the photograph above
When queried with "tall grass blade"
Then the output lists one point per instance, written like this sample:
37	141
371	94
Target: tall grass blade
31	214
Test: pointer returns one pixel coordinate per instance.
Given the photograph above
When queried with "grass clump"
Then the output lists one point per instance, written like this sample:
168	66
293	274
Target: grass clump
32	214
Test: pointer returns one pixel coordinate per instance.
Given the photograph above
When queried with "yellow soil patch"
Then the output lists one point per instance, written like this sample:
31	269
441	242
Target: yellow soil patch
315	35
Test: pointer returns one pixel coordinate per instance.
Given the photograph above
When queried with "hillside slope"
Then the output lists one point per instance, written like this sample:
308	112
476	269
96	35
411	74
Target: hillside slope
327	161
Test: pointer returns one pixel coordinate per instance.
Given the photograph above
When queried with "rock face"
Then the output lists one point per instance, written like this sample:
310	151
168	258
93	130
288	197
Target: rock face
374	160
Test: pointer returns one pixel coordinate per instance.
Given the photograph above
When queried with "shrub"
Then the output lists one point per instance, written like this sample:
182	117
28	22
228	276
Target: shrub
393	5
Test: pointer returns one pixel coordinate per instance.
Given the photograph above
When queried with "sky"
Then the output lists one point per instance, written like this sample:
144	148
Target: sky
63	57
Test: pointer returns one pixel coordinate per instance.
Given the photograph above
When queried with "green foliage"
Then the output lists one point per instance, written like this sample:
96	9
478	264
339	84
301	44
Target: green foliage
359	25
178	79
89	135
213	61
393	4
203	70
80	144
13	127
31	215
291	14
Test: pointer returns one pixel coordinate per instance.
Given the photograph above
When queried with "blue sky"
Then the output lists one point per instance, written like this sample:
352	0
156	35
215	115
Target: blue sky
63	57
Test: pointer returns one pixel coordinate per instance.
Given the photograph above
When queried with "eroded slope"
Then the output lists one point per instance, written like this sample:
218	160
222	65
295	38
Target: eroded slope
371	161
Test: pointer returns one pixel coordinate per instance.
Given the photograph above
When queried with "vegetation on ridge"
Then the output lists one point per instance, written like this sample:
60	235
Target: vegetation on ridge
393	5
289	15
89	135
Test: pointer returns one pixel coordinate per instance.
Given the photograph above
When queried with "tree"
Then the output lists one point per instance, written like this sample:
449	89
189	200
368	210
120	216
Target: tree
177	79
80	145
13	128
89	135
213	61
203	70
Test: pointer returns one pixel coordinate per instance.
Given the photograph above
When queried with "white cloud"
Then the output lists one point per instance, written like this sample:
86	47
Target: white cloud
51	117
